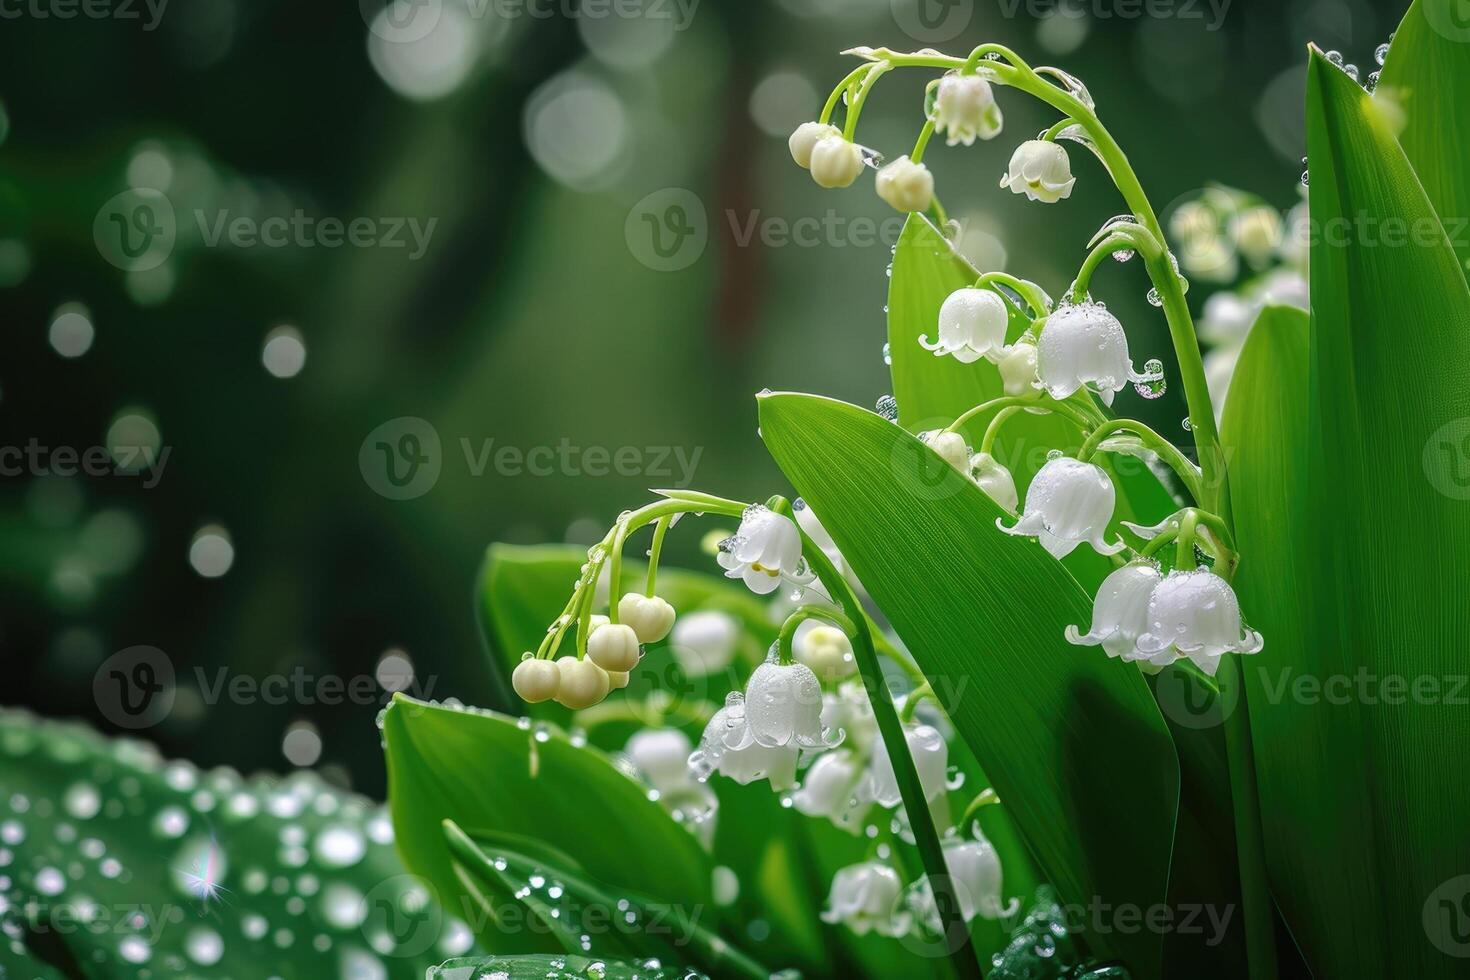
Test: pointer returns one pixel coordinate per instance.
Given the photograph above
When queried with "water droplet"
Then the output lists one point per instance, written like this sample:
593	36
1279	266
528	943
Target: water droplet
1152	385
887	354
1372	81
1154	299
1306	178
888	408
1188	426
1335	57
1124	255
1380	55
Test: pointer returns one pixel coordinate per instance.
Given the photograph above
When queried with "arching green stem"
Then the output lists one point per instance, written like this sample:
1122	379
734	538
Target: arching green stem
1035	297
1105	248
911	701
987	797
655	551
842	86
922	143
1051	134
1022	401
1166	450
788	628
855	108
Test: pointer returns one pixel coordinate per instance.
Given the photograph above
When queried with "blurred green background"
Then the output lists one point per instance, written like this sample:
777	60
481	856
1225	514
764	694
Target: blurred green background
540	312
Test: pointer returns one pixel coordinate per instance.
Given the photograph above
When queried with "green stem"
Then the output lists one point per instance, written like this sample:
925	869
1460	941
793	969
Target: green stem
655	551
993	429
1166	450
1184	541
911	701
1051	134
842	86
855	109
1102	250
987	797
1033	294
1023	401
922	143
788	628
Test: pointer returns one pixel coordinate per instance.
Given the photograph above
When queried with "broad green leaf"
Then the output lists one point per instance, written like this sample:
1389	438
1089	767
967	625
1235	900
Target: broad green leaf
587	918
1427	74
553	968
1073	742
486	771
1354	524
131	866
933	391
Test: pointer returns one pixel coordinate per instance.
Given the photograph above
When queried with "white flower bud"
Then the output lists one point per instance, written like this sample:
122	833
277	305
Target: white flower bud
1257	233
836	162
972	325
906	186
650	616
614	647
535	680
662	755
864	897
825	649
582	683
1068	503
975	875
704	642
997	482
1084	345
1017	365
805	139
617	680
965	108
1120	612
1193	219
950	446
1040	170
827	790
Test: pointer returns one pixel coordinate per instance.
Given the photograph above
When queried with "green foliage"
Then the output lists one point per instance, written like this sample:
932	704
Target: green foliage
554	968
1061	735
119	864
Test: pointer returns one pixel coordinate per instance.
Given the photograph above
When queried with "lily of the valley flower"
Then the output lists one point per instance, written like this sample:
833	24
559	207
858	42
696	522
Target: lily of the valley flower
766	547
704	642
1040	170
1084	345
906	185
728	748
864	897
964	108
931	760
805	139
829	789
535	680
825	649
1017	364
836	162
972	325
976	876
995	480
661	755
614	646
783	706
951	447
1068	503
848	709
650	616
582	683
1120	612
1195	614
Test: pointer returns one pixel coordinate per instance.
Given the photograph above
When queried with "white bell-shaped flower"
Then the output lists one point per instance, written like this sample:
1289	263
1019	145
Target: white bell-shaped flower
975	874
581	683
1084	345
805	139
1068	503
829	789
950	446
1017	364
783	706
766	547
964	108
650	616
906	185
972	325
535	680
614	646
864	898
728	748
847	709
931	761
997	482
836	162
661	755
1257	232
1120	612
704	642
825	649
1040	170
1195	614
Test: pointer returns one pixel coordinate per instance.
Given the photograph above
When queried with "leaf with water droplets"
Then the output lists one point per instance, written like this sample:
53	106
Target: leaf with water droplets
556	968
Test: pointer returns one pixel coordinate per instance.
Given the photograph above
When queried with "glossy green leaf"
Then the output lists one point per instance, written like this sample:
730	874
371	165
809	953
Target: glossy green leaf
1351	505
933	391
553	968
1427	74
127	866
1065	734
486	771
